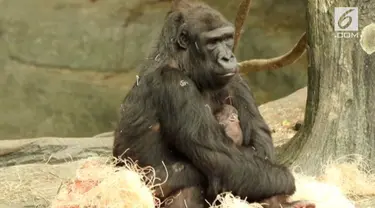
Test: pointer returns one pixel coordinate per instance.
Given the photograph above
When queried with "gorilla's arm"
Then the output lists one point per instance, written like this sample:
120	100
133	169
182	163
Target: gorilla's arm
136	137
193	130
255	130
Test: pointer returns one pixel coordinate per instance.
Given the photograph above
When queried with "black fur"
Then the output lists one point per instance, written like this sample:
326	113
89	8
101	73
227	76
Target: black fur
172	91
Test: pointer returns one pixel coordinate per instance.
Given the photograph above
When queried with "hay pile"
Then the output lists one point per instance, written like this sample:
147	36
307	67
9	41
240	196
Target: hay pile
100	184
355	178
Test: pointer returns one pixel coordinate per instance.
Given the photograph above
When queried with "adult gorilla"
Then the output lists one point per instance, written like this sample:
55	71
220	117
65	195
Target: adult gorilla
167	118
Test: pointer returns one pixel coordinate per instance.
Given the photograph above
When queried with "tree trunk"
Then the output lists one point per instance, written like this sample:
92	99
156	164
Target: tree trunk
340	108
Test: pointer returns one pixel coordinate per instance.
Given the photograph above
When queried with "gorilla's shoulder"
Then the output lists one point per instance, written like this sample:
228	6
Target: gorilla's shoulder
164	75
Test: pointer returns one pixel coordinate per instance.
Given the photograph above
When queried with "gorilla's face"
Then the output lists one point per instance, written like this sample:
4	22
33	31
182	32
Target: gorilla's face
217	45
206	41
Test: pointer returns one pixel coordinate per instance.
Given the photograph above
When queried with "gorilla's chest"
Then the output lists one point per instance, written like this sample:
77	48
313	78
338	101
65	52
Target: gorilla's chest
216	100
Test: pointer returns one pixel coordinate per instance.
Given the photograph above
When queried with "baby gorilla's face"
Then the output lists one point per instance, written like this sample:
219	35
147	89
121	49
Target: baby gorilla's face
228	118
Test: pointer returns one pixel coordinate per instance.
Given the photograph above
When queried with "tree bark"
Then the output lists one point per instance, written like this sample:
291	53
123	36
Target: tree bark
340	108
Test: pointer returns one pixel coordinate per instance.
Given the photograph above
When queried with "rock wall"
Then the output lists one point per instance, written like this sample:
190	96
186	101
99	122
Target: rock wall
65	65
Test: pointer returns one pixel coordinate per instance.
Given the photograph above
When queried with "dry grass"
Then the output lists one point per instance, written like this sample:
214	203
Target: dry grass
25	184
341	184
100	184
228	200
354	177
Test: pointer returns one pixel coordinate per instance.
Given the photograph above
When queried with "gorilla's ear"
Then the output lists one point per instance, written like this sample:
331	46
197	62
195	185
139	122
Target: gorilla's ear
182	37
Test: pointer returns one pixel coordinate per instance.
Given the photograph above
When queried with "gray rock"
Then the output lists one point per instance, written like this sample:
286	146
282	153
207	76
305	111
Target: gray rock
79	34
52	150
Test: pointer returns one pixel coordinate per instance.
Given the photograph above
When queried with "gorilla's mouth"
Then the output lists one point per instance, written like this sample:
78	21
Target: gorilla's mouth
229	74
233	72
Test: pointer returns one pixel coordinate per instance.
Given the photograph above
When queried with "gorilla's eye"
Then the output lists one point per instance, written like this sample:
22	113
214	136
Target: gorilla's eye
224	38
229	36
213	40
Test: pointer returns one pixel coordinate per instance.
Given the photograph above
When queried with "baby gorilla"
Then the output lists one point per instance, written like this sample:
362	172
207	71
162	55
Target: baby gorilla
228	118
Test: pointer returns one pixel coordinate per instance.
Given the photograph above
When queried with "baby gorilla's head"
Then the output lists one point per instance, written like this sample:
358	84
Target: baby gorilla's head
228	118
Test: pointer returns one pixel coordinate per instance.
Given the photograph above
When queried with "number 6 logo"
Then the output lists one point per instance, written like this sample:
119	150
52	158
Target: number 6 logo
343	17
346	19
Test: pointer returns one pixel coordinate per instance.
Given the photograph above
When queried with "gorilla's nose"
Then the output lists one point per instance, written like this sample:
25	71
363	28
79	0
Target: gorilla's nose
226	58
228	62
